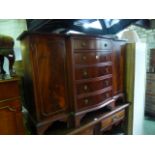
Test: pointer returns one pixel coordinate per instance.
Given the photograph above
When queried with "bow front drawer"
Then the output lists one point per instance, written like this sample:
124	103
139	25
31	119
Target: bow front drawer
91	44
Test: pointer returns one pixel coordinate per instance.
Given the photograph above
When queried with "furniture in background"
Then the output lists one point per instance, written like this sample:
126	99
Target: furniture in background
73	84
150	94
11	118
150	86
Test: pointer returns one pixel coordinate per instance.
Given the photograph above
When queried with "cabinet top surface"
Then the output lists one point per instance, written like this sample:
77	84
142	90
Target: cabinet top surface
28	33
9	80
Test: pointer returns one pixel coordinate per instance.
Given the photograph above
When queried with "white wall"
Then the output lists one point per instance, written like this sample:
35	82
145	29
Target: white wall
13	28
139	88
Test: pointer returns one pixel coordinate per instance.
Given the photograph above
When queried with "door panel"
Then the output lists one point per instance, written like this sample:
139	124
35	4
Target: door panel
51	73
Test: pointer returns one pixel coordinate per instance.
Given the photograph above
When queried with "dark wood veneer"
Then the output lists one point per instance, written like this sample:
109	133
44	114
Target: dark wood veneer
66	77
11	118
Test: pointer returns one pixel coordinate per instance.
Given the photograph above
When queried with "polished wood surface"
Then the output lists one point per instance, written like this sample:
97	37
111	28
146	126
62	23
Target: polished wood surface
85	87
92	59
44	79
118	67
91	43
66	77
11	117
102	120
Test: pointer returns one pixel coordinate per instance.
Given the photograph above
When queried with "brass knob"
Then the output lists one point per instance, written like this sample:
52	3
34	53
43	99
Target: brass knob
97	56
86	101
84	57
83	44
85	73
85	87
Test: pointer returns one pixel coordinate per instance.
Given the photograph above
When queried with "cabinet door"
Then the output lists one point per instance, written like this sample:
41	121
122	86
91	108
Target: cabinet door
50	75
11	122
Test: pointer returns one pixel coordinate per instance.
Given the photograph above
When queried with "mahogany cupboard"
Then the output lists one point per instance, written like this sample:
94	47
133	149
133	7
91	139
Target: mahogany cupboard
68	77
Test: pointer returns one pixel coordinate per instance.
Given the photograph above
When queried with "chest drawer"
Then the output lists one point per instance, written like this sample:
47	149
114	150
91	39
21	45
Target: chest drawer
87	131
88	58
112	119
93	86
9	89
97	99
92	72
87	43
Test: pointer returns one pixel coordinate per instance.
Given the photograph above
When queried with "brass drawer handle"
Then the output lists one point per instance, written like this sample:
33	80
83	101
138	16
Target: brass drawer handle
86	101
85	73
85	87
84	57
8	107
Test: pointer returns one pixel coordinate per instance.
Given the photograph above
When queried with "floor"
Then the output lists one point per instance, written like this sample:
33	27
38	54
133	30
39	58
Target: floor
149	126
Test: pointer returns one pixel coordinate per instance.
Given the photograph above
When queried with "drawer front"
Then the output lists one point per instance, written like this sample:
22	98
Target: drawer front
100	44
9	90
112	119
92	72
93	86
88	131
10	105
93	100
88	58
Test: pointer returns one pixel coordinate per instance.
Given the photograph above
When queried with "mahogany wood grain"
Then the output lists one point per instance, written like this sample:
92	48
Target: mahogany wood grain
11	117
65	77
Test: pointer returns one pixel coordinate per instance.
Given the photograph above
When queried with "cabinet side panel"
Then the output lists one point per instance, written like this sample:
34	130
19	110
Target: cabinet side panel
28	77
118	67
50	75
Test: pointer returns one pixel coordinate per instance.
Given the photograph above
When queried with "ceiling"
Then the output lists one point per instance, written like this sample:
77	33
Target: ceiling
86	26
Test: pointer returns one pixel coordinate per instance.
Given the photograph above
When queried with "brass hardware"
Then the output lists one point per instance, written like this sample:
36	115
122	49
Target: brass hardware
83	44
97	56
84	57
85	87
85	73
86	101
8	107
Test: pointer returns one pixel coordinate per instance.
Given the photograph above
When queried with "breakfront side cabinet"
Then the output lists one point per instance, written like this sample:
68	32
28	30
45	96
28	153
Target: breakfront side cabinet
45	84
67	77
